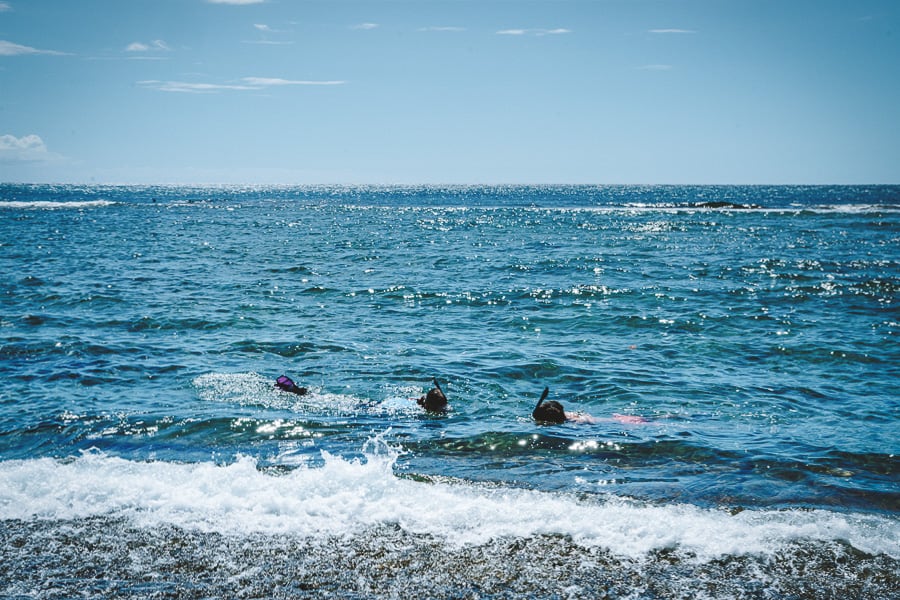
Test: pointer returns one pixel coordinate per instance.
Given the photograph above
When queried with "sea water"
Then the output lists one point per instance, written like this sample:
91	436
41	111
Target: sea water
145	452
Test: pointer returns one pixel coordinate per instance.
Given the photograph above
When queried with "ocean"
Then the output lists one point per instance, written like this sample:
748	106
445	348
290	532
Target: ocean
735	347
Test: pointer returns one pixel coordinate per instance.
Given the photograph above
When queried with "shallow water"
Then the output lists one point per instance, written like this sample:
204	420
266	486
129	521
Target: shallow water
144	449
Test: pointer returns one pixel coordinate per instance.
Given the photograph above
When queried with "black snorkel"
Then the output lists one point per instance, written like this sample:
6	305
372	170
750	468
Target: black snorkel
438	386
543	397
435	401
551	412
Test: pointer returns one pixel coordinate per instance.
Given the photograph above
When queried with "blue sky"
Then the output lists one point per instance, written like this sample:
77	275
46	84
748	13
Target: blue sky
450	91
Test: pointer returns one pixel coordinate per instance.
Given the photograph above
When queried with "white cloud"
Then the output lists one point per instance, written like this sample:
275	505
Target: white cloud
154	46
273	81
247	84
536	32
672	31
11	49
191	88
5	6
264	40
366	26
28	148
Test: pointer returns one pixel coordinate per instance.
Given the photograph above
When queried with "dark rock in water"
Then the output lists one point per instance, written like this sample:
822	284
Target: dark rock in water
113	558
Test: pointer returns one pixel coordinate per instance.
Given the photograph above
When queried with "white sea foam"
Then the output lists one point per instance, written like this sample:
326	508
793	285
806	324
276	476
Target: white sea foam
51	205
673	208
343	497
253	389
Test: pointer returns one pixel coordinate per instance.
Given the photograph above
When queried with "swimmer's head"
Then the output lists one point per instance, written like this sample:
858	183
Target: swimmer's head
434	400
549	412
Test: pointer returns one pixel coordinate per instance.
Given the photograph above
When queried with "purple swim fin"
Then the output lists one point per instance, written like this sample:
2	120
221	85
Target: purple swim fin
285	383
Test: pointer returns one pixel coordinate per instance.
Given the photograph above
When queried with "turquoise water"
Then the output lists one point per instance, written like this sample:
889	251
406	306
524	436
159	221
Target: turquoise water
753	328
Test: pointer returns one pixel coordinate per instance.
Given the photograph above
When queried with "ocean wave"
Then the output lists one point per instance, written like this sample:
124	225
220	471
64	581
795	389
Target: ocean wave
724	207
54	205
346	497
256	390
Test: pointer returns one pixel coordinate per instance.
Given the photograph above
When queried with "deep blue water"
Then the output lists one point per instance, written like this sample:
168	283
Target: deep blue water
755	330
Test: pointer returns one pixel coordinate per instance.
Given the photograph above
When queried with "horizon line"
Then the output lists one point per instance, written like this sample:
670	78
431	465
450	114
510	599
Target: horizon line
432	184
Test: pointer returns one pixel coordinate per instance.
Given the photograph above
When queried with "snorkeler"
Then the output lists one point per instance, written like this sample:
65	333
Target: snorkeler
552	413
286	384
434	401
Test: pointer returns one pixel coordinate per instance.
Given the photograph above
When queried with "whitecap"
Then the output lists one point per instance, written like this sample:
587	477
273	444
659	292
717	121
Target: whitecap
51	205
341	497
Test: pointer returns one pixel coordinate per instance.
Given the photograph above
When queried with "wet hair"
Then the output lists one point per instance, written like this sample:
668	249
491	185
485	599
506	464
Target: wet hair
435	400
549	412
